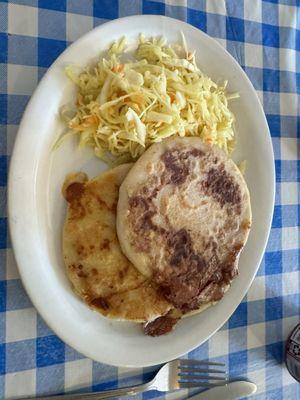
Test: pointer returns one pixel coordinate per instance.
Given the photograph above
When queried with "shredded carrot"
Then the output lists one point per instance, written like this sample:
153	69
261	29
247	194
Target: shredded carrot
118	68
172	97
120	93
89	121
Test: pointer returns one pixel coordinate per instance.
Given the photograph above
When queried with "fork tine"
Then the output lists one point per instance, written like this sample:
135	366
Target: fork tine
197	377
186	369
196	362
187	385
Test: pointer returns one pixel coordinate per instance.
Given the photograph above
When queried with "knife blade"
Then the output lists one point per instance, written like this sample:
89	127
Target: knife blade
232	391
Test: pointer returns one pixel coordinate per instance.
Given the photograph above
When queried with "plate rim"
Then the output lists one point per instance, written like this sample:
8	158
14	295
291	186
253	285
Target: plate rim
12	190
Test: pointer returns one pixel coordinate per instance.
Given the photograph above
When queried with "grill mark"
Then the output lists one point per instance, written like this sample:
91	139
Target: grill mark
221	186
190	272
100	302
105	245
74	192
177	164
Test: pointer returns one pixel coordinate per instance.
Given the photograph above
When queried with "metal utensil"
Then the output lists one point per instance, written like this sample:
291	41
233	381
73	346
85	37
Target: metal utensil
174	375
231	391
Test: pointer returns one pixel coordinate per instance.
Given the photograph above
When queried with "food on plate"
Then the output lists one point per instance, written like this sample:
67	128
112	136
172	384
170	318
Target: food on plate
183	217
167	244
100	274
124	104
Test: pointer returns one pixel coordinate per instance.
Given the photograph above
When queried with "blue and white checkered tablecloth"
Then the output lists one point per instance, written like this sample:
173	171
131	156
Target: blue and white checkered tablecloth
264	37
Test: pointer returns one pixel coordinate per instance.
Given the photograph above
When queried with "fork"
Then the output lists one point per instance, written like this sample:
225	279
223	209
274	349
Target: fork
177	374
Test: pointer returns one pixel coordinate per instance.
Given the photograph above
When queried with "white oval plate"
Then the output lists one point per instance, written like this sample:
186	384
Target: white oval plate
36	207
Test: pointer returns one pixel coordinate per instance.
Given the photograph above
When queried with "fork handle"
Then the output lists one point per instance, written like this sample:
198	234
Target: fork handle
106	394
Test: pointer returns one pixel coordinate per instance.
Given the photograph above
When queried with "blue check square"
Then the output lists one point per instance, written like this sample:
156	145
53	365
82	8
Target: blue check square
197	18
2	296
270	35
273	308
2	358
3	47
3	233
107	9
49	350
49	50
3	169
274	122
235	29
153	7
275	351
239	317
271	80
238	363
273	262
277	218
59	5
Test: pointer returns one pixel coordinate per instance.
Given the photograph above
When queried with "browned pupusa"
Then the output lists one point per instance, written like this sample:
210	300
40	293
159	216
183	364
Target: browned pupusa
183	217
100	273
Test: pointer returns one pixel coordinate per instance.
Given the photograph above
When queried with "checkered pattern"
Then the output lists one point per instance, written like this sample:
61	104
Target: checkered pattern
264	37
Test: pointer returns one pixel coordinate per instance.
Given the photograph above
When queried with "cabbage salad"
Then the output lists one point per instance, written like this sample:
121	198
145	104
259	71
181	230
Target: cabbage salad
124	104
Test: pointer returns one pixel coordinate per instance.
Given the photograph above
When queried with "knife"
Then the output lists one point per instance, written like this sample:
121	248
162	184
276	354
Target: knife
232	391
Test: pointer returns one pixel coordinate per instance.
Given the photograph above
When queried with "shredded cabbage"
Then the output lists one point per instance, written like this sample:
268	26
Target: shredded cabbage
122	107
